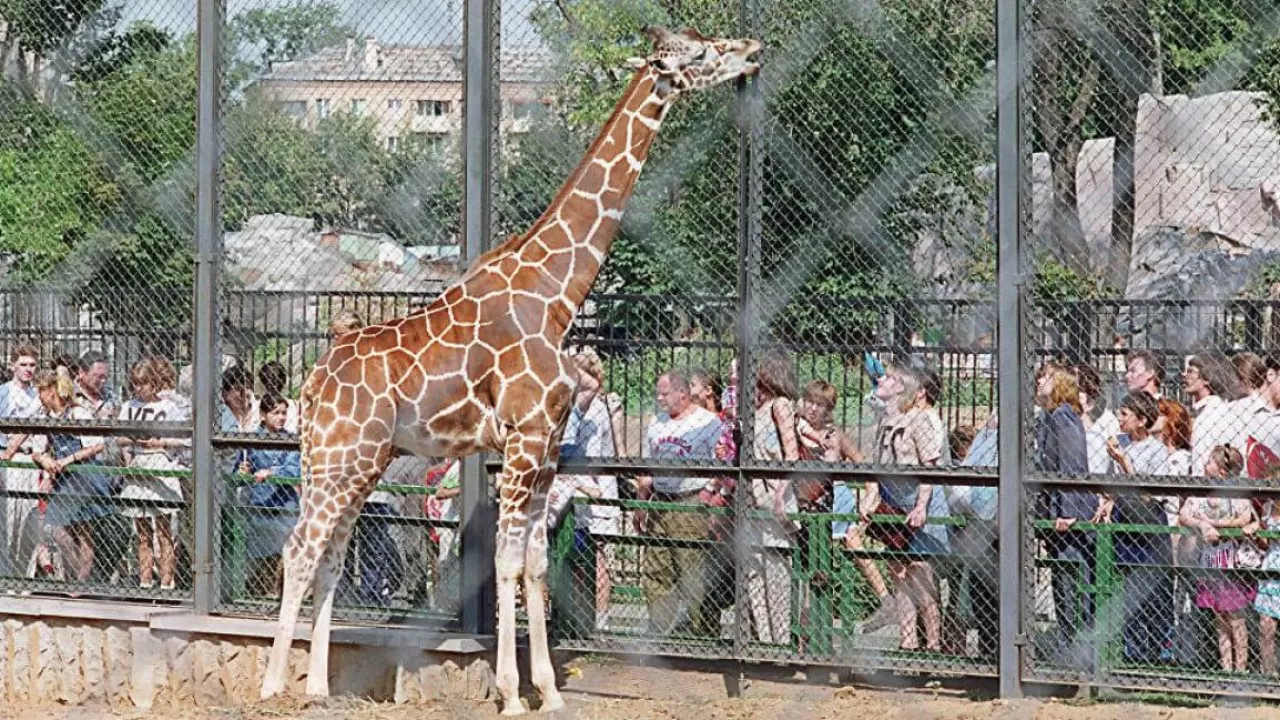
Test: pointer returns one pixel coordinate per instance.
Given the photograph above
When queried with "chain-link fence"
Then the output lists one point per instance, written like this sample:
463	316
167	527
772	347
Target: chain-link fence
785	440
1150	413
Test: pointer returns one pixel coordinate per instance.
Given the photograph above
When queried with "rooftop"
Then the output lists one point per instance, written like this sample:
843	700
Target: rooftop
368	60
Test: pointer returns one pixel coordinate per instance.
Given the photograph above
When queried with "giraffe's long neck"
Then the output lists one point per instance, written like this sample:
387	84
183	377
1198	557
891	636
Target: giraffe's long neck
572	238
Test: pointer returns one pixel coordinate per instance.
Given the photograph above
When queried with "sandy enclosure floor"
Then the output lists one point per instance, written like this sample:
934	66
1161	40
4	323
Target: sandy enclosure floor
607	689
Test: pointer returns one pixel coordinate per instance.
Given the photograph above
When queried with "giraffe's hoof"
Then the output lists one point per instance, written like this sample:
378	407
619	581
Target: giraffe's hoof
513	707
551	702
316	702
270	690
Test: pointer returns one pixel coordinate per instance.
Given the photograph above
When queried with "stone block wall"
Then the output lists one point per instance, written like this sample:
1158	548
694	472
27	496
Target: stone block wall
79	662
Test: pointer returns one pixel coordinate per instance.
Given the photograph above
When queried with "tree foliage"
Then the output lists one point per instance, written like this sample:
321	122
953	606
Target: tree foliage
98	188
876	119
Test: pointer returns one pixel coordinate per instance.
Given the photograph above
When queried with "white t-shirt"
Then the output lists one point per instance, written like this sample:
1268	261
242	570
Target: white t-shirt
163	409
1215	423
692	437
16	402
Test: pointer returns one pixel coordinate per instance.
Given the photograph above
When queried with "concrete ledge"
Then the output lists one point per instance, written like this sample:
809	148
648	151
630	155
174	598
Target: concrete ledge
47	607
373	635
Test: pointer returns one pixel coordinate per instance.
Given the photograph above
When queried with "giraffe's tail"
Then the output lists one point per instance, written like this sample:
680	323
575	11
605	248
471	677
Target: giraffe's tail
306	401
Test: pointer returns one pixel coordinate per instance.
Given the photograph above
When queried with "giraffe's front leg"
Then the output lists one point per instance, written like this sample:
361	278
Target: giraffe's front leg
522	462
509	562
535	582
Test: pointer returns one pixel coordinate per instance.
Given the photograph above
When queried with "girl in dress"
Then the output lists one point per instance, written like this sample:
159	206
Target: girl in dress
154	523
1222	592
1267	603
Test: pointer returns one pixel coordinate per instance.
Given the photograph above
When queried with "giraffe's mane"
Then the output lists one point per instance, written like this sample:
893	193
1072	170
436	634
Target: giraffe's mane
517	241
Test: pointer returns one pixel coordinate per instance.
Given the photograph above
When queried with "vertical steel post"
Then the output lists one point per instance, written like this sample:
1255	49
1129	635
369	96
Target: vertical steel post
1010	168
478	525
749	117
205	318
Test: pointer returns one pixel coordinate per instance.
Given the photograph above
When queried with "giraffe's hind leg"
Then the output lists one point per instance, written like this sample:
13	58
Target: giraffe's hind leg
330	506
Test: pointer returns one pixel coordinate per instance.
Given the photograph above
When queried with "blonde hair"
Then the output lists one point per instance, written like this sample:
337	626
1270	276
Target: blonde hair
345	322
58	380
144	371
590	361
1228	459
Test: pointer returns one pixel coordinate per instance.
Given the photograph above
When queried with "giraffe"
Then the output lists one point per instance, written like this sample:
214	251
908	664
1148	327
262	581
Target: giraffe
480	368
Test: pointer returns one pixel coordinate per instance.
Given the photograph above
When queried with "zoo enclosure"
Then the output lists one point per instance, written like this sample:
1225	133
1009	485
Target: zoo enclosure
852	211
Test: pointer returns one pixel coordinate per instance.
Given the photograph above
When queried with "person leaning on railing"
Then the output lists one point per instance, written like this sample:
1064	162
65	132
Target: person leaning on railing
18	400
674	578
267	532
147	489
820	439
767	562
79	494
1148	595
909	437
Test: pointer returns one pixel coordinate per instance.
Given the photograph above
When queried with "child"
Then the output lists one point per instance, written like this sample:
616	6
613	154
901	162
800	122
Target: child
267	532
156	483
1222	593
1267	603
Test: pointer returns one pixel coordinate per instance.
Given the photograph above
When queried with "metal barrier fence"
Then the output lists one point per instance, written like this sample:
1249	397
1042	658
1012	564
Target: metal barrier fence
907	198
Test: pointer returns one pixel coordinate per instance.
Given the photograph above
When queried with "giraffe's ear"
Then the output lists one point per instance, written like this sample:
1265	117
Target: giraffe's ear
658	35
637	62
693	35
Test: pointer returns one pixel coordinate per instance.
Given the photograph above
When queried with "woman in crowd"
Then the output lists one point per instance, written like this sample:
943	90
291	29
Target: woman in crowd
79	494
768	566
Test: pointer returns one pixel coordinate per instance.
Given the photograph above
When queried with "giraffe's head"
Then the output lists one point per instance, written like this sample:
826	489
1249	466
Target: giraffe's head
688	60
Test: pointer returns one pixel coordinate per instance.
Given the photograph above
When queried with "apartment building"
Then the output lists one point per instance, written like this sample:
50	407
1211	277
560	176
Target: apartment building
413	92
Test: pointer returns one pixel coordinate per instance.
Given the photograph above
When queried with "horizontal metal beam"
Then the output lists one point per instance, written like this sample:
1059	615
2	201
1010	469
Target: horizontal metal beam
11	426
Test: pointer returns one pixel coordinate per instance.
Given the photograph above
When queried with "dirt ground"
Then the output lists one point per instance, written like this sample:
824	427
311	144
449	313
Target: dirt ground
599	688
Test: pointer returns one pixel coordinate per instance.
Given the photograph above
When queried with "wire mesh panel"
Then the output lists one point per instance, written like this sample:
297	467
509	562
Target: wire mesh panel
654	341
1152	238
873	337
341	205
97	206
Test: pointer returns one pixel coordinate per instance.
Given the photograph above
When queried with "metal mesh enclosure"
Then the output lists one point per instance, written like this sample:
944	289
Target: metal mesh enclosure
945	342
1151	248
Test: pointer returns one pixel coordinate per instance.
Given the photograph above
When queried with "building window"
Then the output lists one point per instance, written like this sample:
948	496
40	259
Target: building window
393	144
433	108
394	105
525	109
296	109
358	106
430	142
323	108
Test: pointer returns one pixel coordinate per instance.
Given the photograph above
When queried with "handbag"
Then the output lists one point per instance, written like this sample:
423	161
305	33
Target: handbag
1248	556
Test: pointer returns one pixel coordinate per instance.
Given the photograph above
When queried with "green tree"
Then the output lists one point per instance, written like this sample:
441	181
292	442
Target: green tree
54	189
41	26
265	36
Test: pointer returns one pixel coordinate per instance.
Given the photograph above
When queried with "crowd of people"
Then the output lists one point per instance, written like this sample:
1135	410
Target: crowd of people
78	503
1224	431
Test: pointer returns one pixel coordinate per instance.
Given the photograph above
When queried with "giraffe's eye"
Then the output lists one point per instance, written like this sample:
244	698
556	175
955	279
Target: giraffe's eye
702	55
